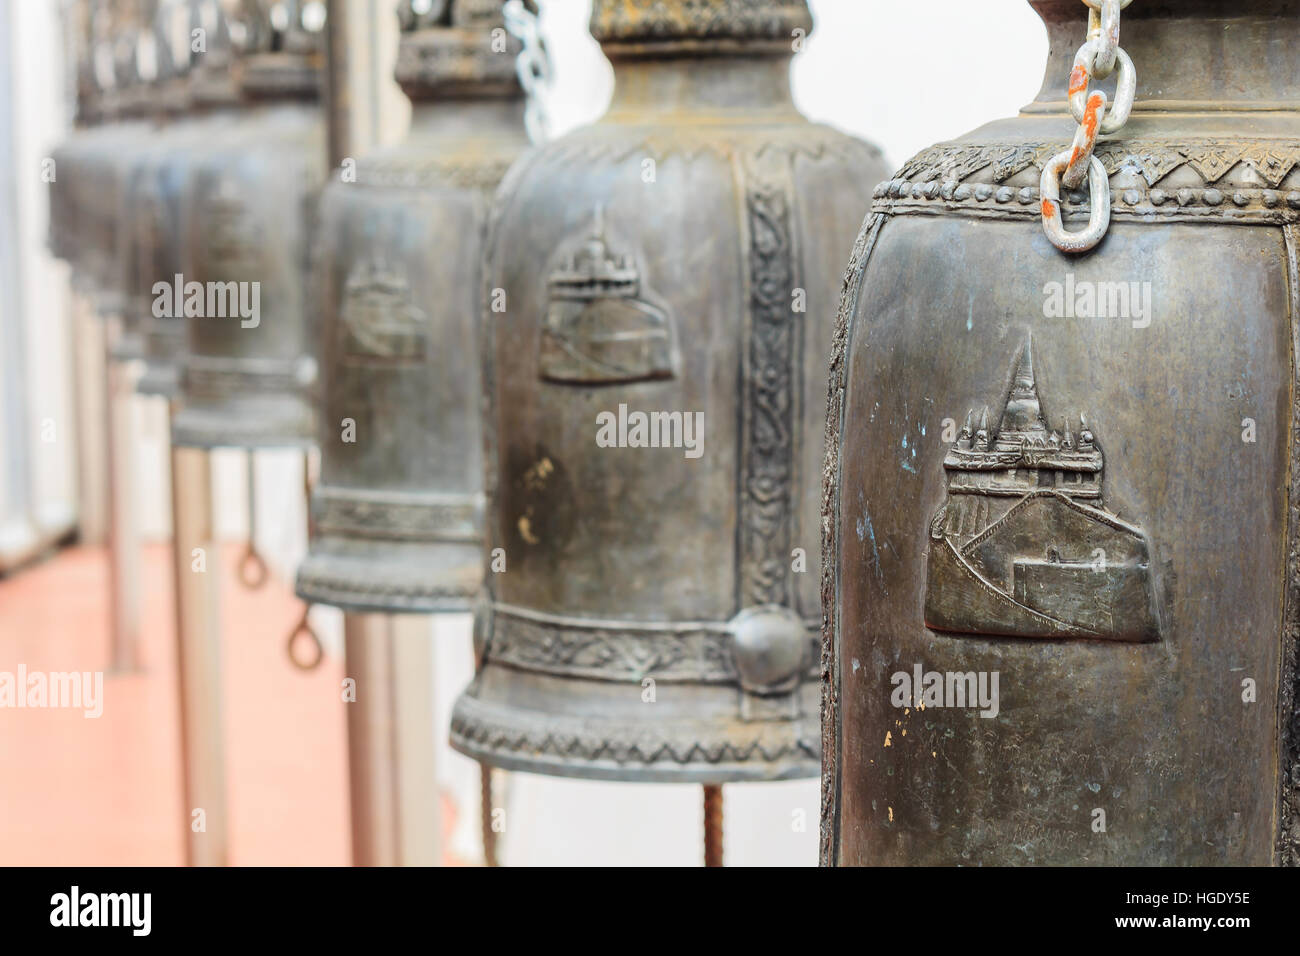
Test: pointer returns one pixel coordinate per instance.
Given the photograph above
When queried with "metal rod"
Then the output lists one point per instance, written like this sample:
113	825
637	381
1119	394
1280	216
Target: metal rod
197	569
713	825
392	779
338	99
303	628
485	812
253	572
89	347
123	527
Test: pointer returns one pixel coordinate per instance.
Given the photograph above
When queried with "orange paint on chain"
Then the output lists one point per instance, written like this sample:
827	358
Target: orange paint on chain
1049	209
1089	127
1090	115
1078	79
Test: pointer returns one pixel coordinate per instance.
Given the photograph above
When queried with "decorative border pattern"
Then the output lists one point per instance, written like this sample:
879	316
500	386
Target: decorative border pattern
482	730
205	377
816	142
1288	835
402	173
376	514
935	181
281	74
441	57
320	581
830	673
649	21
770	371
683	651
218	426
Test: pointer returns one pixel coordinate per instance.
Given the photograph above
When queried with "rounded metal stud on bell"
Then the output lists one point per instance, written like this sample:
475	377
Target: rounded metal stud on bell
1063	392
656	311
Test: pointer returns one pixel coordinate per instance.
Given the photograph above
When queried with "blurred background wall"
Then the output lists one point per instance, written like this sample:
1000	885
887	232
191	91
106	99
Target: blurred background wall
903	75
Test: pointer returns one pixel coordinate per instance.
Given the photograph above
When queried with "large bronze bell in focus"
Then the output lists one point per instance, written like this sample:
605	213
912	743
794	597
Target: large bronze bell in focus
398	509
653	611
1061	587
249	374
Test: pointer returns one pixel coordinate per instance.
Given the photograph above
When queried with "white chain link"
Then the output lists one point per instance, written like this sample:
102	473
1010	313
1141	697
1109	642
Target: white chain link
533	67
1099	56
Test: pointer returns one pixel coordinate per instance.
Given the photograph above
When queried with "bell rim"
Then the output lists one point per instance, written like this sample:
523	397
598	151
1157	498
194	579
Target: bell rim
640	773
530	755
159	378
320	580
204	425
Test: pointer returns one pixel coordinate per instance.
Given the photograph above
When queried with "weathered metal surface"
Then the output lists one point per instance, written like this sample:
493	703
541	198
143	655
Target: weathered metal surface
90	169
249	371
398	509
187	119
1108	674
651	607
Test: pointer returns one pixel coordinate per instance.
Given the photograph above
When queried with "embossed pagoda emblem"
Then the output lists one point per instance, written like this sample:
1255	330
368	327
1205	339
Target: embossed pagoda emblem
599	329
379	317
1023	545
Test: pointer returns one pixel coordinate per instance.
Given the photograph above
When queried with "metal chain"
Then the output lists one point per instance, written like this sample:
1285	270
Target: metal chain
1099	56
533	66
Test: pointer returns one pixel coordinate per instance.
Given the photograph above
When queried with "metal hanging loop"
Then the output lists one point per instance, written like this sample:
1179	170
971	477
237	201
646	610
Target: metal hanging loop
1099	193
1125	92
1103	34
532	66
1099	56
1085	140
304	631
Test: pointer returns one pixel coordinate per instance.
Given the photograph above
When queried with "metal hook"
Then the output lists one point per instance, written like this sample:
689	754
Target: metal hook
253	572
301	630
252	569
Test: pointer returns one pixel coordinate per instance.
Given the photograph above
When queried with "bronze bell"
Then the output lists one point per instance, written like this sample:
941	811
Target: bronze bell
652	612
1058	405
249	373
65	240
91	168
150	218
398	508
